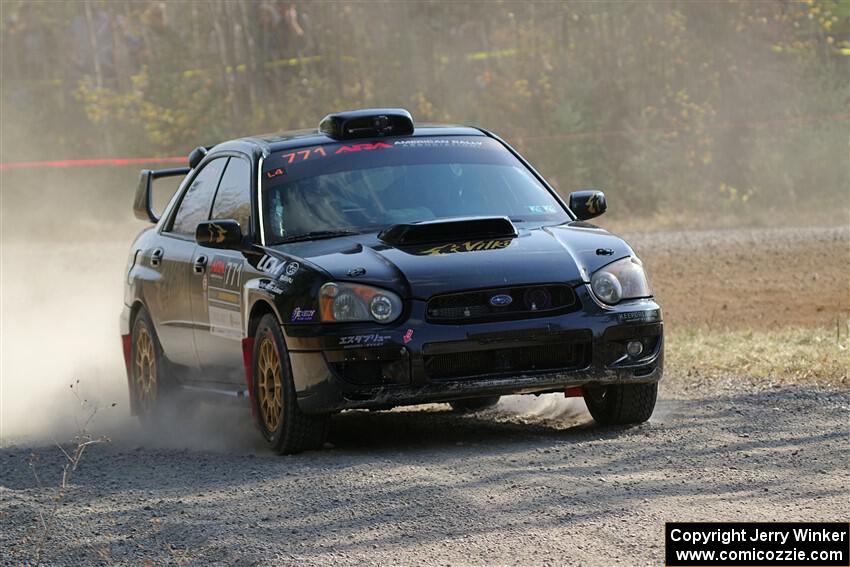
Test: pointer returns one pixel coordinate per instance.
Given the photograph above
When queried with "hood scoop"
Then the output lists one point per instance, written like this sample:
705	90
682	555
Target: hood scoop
450	230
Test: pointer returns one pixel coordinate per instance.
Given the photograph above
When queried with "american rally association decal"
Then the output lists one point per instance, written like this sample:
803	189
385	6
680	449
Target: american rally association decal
437	142
224	297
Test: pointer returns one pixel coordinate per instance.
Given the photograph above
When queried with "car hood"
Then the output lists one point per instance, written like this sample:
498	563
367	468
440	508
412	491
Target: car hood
567	253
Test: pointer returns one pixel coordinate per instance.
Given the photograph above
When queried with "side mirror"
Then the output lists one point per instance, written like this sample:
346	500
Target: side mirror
225	234
587	204
196	155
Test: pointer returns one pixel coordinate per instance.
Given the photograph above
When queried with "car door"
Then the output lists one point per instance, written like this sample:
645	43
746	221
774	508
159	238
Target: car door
217	299
171	304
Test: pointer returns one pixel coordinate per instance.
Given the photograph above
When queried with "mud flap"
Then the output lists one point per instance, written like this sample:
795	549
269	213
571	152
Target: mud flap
127	347
248	363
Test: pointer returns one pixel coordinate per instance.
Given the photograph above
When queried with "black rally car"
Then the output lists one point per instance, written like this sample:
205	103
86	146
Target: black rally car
374	264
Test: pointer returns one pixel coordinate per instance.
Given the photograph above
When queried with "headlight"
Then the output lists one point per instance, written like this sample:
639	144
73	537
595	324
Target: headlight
623	279
352	302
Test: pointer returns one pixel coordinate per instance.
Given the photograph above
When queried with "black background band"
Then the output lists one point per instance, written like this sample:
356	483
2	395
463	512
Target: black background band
803	538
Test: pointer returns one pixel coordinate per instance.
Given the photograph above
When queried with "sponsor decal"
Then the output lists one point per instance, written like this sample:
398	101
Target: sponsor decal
271	287
225	322
471	246
373	340
541	209
604	251
362	147
357	272
308	154
437	142
270	265
223	285
641	316
217	233
408	336
217	267
225	296
299	314
501	300
204	283
279	269
226	273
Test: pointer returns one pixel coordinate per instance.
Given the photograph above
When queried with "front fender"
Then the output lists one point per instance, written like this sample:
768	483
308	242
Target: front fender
254	297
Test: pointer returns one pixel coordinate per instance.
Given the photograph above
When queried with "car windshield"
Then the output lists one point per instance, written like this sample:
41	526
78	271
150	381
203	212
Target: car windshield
363	186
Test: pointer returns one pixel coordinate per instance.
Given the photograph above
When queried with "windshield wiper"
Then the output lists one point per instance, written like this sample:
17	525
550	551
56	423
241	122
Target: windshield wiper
316	235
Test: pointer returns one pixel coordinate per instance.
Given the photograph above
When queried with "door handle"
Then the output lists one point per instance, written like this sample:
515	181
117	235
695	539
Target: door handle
156	257
200	264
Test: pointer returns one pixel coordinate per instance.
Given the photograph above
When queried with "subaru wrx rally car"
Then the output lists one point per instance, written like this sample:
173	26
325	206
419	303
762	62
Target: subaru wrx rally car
373	264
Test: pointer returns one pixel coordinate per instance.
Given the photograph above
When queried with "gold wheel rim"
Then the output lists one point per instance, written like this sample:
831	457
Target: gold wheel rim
145	370
269	385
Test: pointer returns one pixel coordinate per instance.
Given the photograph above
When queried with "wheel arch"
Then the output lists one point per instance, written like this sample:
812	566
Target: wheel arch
137	306
259	309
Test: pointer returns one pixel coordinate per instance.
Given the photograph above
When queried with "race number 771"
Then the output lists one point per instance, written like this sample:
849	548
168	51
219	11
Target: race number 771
304	155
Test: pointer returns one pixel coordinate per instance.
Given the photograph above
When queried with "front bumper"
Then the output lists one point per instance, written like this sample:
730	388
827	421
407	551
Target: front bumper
339	367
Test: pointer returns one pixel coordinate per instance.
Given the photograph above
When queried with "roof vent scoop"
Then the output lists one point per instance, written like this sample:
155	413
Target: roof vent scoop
367	123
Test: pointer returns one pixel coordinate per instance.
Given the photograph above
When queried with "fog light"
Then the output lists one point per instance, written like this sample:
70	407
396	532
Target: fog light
634	348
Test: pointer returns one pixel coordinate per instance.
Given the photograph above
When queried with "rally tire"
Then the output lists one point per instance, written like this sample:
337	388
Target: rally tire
621	404
150	382
284	426
474	404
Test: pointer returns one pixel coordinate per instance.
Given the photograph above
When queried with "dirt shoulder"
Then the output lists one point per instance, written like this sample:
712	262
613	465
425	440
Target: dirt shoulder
767	306
756	279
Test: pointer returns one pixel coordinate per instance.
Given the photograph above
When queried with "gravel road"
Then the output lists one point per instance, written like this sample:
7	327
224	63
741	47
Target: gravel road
529	482
431	487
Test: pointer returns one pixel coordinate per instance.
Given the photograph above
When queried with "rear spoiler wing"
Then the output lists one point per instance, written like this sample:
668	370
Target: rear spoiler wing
143	201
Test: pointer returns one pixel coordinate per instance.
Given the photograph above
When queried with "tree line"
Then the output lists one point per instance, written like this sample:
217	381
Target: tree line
711	104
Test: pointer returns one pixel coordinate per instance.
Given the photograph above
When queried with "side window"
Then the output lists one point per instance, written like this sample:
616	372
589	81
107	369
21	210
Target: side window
233	199
195	206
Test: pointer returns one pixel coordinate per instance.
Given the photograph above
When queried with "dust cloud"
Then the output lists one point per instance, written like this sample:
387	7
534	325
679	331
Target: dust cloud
63	252
60	324
547	407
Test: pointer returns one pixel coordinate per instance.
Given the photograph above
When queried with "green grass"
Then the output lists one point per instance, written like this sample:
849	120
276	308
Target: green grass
789	355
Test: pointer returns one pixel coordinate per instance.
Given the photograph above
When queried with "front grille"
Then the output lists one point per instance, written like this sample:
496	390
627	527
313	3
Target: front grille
535	358
493	304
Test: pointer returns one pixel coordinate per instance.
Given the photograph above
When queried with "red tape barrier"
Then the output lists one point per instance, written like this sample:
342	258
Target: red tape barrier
519	139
